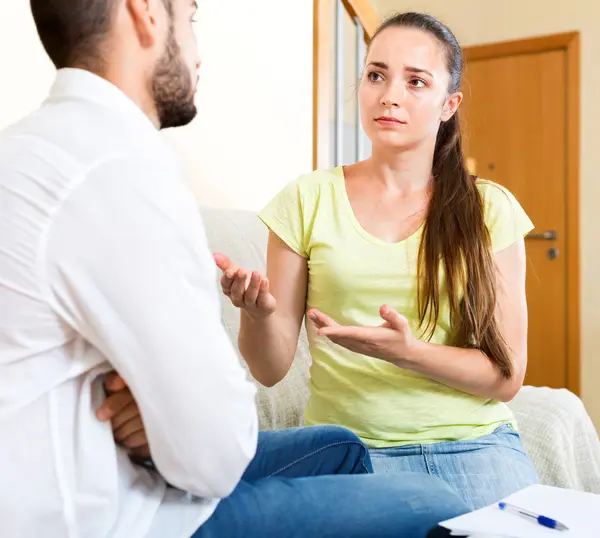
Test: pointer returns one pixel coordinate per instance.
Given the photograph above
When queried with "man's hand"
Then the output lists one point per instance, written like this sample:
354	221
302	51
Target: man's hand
122	410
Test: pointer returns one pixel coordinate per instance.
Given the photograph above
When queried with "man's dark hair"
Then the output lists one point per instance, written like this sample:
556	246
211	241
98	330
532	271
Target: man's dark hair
73	32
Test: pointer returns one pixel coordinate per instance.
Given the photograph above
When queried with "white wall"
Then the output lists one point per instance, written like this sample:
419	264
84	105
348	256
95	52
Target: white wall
26	71
478	21
253	133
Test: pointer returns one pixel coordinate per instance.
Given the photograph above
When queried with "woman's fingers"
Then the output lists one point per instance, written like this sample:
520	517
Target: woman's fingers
253	289
265	300
247	290
320	319
227	281
238	287
264	286
223	262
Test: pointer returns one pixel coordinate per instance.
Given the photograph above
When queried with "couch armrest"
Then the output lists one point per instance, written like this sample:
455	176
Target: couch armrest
559	437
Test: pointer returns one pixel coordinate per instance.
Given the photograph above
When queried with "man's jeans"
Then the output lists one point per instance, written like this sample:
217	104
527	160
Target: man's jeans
316	482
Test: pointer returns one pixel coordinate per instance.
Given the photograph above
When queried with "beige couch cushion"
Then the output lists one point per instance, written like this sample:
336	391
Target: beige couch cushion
559	437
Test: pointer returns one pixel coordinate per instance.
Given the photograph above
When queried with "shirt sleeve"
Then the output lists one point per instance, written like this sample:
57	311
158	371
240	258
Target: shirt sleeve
128	267
285	215
505	218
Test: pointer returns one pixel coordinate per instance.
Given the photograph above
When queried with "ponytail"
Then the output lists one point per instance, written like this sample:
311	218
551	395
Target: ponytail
456	237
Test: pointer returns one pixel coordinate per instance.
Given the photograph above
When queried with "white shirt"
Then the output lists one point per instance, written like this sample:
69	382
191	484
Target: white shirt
104	264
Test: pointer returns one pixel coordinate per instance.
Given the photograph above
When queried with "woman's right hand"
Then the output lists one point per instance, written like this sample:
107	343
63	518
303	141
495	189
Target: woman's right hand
246	290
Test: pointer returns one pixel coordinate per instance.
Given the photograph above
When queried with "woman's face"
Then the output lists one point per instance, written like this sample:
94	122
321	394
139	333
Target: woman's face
404	89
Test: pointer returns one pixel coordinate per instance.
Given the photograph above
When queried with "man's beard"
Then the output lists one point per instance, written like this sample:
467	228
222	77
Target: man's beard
172	88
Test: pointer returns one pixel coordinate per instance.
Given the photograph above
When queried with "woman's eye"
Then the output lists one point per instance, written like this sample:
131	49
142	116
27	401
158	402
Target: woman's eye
373	76
418	83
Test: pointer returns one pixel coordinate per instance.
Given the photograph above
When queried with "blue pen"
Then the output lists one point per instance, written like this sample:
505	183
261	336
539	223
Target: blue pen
542	520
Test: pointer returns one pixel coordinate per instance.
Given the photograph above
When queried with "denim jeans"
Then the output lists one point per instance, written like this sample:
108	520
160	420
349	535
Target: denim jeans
317	482
481	471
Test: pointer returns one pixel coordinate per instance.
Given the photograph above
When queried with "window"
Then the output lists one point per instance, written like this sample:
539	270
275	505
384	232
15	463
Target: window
342	30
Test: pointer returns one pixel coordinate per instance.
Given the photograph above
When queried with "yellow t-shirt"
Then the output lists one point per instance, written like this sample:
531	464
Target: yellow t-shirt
351	274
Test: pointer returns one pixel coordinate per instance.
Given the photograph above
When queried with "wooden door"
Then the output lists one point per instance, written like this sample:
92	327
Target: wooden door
514	117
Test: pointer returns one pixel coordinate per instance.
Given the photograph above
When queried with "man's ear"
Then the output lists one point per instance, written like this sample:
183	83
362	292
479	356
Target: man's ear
146	17
451	106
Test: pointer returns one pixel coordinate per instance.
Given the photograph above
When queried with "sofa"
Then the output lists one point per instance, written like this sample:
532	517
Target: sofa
556	429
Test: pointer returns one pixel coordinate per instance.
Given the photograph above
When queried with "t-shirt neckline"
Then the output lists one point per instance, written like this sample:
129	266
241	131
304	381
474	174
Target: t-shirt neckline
341	184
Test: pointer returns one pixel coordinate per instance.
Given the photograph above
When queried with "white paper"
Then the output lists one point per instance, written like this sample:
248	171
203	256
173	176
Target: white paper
577	510
476	535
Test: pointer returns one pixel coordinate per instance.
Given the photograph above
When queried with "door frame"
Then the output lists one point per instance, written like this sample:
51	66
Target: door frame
569	43
323	37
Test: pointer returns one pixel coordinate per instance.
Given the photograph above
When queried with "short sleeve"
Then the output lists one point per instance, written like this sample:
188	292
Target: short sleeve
505	218
285	215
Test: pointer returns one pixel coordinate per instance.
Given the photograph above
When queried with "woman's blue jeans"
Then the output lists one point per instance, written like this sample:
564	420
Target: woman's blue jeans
481	471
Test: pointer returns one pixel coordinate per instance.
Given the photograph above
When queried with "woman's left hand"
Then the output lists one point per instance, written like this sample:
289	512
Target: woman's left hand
392	341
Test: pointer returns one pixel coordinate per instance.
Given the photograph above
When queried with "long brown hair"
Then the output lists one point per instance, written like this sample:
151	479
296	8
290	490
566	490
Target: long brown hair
455	236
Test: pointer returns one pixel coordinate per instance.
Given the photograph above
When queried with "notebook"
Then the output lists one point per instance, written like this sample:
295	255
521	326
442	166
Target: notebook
577	510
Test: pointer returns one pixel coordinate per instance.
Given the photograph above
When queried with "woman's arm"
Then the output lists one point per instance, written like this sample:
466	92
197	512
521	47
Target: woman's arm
468	369
268	343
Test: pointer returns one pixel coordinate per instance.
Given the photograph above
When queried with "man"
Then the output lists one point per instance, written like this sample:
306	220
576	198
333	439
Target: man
104	265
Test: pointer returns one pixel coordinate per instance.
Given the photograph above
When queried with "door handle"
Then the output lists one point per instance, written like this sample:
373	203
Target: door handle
549	235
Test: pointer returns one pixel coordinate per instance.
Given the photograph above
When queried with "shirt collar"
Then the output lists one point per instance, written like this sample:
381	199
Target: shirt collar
81	84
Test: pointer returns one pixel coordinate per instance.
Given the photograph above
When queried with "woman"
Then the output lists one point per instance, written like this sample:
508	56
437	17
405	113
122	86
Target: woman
412	276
